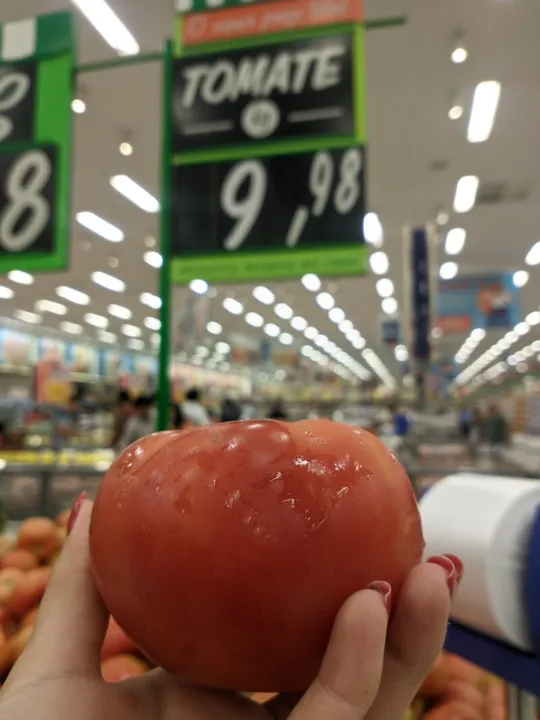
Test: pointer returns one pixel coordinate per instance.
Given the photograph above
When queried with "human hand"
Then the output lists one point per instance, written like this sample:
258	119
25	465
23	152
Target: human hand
371	670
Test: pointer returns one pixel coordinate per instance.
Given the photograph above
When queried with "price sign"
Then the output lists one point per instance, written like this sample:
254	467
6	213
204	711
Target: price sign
281	204
36	66
282	91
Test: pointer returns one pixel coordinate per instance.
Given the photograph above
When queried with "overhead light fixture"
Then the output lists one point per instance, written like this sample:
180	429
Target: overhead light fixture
286	339
106	337
214	328
283	311
153	258
71	328
272	330
109	282
442	217
136	194
123	313
96	320
233	306
401	353
200	287
263	295
299	323
131	331
254	319
74	296
150	241
311	333
389	306
455	241
21	277
373	230
311	282
325	301
135	344
448	270
358	343
99	226
51	307
384	287
152	323
379	263
150	300
27	317
533	256
484	110
108	25
520	278
78	106
126	149
336	315
345	326
466	190
459	55
533	318
455	112
223	348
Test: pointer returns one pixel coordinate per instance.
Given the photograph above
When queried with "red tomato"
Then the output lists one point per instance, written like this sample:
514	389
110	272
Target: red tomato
225	552
122	667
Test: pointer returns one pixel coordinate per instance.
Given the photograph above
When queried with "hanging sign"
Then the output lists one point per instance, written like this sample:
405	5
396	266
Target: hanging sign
420	301
268	159
390	331
36	75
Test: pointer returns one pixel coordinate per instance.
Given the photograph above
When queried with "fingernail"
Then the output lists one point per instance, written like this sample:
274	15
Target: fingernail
453	567
75	511
384	589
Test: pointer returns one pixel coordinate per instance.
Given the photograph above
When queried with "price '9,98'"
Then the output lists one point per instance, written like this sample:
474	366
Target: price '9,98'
245	187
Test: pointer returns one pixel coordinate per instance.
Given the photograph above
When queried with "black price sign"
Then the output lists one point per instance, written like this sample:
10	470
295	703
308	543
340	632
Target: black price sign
17	93
288	90
279	202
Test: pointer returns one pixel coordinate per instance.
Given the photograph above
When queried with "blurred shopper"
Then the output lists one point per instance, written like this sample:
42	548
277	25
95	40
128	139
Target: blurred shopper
140	422
177	418
476	434
495	428
402	423
277	411
230	411
122	413
465	423
193	410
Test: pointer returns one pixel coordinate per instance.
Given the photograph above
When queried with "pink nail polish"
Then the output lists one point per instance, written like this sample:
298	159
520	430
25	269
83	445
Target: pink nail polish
453	567
75	511
385	590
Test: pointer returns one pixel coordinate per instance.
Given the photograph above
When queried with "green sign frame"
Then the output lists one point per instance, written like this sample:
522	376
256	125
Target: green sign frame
51	46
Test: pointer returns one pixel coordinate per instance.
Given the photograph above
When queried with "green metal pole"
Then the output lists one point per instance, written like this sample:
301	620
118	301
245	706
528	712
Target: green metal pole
165	238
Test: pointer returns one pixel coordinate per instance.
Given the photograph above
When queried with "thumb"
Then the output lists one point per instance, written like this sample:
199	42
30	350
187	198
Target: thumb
72	618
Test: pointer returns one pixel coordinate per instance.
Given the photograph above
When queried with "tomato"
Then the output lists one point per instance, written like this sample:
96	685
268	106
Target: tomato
22	559
39	536
28	591
122	667
226	551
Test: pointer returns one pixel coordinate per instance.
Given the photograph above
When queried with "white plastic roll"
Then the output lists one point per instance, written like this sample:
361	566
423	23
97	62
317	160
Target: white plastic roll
486	521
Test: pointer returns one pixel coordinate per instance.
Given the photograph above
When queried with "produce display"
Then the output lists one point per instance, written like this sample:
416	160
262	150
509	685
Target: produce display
259	531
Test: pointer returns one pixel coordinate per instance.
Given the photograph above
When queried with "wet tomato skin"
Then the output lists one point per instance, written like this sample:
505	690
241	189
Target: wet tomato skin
225	552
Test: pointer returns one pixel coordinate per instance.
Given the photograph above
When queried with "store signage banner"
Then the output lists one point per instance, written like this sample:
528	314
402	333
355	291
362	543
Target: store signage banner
489	301
420	300
36	80
390	331
265	18
187	6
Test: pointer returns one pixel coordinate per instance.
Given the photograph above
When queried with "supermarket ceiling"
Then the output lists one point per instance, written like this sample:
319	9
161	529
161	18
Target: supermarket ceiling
417	153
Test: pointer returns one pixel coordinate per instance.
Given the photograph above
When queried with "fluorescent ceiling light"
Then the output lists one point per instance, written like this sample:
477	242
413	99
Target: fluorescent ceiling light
6	293
199	286
223	348
263	295
74	296
379	263
18	276
126	149
533	318
254	319
401	353
131	331
271	330
311	282
71	328
520	278
99	226
384	287
153	258
311	333
448	270
109	282
27	317
321	341
373	231
78	106
345	326
135	344
51	306
119	311
455	112
96	320
325	301
214	328
107	337
299	323
152	323
233	306
459	55
465	196
135	193
359	343
533	256
455	241
483	112
336	315
389	305
284	311
286	339
108	25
